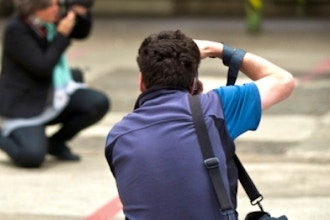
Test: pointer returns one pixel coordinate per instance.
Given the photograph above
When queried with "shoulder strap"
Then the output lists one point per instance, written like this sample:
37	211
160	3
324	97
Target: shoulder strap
211	162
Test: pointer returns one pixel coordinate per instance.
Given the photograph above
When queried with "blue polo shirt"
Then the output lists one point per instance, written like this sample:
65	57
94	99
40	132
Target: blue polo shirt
155	157
241	106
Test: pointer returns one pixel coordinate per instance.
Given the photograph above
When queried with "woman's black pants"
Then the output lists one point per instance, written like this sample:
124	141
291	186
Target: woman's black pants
28	146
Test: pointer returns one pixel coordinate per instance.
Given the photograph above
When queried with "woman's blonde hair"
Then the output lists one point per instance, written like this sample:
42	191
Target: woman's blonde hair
27	7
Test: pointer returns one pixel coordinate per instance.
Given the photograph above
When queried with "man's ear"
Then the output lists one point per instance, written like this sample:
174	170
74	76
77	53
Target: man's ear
142	85
196	85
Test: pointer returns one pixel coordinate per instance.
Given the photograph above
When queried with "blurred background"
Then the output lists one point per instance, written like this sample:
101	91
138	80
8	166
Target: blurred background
253	10
289	155
204	8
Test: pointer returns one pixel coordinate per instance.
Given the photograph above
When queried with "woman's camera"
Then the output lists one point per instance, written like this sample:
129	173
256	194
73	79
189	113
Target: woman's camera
67	4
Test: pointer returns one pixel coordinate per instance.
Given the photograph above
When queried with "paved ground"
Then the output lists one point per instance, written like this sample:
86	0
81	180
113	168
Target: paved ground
288	157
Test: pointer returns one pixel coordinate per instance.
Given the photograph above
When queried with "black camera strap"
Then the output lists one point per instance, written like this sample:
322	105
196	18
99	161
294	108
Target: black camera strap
234	62
232	58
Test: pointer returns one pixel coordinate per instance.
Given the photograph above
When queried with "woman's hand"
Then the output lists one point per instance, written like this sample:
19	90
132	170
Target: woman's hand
79	10
66	24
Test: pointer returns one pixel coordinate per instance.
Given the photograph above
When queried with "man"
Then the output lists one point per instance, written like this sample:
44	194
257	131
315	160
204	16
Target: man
154	153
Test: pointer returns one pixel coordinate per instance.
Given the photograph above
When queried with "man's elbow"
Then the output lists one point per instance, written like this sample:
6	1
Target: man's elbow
289	84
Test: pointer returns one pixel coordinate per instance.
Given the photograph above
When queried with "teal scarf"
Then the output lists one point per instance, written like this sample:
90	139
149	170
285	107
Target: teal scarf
61	73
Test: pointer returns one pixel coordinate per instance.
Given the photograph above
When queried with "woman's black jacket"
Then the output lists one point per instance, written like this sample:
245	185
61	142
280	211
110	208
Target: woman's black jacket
27	65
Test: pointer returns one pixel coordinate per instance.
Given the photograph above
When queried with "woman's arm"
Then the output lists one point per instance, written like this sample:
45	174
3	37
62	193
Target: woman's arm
27	50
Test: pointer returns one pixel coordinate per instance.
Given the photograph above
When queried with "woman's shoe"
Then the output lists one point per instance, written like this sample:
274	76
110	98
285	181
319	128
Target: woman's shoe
61	151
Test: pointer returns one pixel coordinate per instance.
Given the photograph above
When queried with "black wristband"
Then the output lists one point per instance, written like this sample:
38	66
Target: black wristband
237	58
234	65
227	54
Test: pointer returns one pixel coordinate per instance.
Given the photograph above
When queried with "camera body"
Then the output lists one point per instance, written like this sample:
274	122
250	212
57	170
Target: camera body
67	4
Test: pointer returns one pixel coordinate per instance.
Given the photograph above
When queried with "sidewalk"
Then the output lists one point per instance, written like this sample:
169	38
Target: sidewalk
288	157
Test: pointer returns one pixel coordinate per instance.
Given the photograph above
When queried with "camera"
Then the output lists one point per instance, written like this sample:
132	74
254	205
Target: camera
66	4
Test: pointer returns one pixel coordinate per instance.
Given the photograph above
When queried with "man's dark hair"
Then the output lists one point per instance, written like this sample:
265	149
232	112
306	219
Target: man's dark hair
168	58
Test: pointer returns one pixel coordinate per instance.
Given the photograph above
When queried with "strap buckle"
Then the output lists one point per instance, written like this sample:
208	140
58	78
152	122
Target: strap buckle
211	163
230	213
257	201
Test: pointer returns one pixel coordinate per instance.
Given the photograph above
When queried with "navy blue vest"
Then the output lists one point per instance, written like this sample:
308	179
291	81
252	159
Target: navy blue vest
157	163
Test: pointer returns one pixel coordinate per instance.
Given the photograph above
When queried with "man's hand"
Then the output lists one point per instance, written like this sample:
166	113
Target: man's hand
209	48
